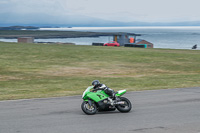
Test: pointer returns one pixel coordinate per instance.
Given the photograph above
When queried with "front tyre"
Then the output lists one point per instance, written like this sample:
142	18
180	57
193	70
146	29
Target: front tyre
126	107
89	110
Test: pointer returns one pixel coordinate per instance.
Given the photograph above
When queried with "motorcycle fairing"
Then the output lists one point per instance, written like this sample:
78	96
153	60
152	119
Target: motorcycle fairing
98	96
121	92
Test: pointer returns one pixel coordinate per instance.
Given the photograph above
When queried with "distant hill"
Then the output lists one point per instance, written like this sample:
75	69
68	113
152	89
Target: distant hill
19	28
46	20
95	24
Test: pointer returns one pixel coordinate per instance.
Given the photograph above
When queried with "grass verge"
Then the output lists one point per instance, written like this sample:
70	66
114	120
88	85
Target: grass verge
41	70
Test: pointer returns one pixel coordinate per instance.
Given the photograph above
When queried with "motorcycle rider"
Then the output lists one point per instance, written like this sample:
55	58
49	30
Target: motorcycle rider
98	86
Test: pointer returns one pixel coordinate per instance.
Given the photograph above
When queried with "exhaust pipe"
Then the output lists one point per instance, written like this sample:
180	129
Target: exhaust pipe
121	102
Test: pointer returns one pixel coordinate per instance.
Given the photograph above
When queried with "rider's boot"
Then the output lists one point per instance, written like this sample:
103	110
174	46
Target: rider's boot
111	101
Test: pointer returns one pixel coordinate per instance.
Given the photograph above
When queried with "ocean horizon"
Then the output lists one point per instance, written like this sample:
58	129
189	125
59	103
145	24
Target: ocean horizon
120	28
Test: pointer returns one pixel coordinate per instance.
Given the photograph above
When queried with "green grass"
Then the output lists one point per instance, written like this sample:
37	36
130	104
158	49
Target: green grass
41	70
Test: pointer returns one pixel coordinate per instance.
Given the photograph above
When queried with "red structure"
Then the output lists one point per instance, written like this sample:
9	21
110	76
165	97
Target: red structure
25	40
131	40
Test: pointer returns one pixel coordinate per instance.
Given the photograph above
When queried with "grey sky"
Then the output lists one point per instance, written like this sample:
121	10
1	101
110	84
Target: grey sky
138	10
120	10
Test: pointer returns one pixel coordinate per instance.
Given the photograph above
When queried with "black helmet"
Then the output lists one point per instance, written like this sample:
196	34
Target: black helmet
95	83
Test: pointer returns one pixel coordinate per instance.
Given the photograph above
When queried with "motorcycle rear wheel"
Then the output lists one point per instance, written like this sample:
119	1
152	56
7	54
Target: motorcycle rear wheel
126	107
89	110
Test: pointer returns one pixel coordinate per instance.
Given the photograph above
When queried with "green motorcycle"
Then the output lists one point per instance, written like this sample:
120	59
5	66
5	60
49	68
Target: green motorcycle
99	101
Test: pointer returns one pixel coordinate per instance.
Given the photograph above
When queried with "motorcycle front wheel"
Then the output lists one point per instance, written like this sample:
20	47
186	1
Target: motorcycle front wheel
89	110
126	107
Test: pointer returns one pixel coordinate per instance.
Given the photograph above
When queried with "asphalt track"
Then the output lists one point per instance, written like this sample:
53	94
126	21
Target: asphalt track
156	111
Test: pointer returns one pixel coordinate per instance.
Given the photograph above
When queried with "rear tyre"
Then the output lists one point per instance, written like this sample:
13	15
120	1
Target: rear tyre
126	107
89	110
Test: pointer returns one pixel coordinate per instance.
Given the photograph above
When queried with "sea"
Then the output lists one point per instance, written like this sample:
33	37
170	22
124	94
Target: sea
161	37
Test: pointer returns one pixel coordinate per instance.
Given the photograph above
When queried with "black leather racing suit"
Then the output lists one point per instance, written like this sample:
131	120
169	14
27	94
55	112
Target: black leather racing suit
106	89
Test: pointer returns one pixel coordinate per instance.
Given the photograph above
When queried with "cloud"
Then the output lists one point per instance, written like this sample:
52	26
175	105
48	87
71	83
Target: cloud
71	11
3	1
32	6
